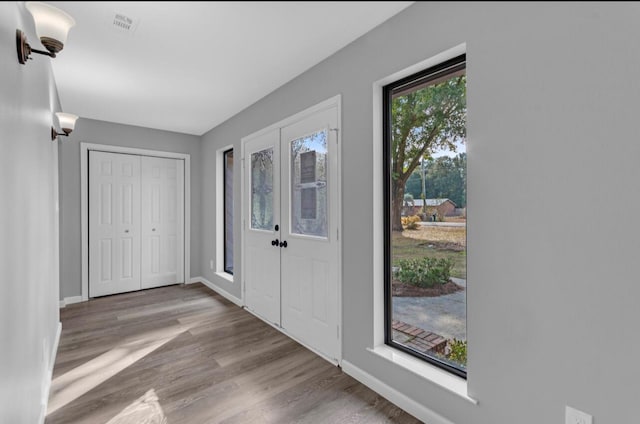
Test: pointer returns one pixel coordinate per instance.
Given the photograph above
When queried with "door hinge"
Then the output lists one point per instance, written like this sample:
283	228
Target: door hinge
337	233
337	331
336	130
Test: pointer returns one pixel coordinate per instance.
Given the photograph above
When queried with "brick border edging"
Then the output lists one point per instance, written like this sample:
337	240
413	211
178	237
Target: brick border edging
421	340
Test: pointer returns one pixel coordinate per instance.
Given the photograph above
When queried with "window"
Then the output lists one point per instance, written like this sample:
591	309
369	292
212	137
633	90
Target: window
425	214
228	210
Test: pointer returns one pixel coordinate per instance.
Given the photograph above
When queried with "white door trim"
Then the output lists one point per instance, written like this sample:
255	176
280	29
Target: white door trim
335	101
84	202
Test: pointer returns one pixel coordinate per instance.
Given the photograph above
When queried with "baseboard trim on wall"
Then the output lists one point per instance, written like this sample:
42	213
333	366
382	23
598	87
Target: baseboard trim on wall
215	288
403	401
48	374
71	300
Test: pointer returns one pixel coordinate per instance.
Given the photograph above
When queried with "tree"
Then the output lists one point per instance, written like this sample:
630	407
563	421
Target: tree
447	178
414	185
460	166
423	121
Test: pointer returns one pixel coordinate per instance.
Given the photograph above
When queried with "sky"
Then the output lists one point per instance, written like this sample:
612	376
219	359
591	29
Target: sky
460	148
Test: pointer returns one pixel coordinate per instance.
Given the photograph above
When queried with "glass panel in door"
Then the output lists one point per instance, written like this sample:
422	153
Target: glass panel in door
309	185
262	190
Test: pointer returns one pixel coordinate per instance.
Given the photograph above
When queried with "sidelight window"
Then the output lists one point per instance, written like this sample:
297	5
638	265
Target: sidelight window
228	211
425	214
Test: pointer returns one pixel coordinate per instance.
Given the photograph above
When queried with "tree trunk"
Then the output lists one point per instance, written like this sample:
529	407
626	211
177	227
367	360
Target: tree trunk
397	200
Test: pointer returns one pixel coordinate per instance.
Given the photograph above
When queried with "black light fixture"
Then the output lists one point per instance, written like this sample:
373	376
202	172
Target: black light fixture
67	122
52	27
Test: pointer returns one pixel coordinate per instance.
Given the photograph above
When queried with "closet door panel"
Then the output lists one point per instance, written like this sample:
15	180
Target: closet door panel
114	223
160	224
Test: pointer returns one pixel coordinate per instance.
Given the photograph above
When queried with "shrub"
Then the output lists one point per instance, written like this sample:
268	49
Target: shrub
424	272
408	199
458	351
410	222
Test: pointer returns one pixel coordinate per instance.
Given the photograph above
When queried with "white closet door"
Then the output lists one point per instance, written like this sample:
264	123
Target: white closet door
162	221
114	223
262	221
309	261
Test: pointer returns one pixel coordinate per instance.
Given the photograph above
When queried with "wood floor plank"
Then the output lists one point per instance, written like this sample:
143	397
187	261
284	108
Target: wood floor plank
184	354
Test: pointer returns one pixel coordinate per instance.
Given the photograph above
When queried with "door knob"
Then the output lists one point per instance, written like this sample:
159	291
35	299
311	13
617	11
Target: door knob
126	231
153	229
275	242
283	244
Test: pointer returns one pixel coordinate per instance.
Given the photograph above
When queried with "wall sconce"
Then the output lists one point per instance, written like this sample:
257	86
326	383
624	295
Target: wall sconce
52	27
67	122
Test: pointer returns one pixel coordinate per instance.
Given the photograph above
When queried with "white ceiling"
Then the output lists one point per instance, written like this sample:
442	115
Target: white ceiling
189	66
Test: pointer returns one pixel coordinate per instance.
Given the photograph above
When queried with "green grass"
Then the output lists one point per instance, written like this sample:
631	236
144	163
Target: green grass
411	248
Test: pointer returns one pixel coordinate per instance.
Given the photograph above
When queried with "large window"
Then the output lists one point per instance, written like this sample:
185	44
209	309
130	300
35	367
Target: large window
425	215
228	210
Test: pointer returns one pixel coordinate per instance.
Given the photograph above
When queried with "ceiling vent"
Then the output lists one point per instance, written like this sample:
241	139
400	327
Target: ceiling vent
124	24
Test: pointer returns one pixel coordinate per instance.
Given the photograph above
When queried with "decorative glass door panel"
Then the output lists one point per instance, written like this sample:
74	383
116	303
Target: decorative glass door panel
309	206
262	190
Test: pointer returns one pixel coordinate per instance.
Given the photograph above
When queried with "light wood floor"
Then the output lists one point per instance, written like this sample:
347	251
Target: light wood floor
183	354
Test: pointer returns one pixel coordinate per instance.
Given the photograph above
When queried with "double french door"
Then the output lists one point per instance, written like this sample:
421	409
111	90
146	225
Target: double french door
291	229
136	222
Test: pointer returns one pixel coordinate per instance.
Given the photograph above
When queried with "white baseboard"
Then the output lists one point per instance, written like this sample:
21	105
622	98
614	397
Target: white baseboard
71	300
48	374
403	401
215	288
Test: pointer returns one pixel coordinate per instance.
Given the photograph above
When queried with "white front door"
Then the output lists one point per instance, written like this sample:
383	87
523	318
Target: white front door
291	195
162	226
262	222
309	165
114	223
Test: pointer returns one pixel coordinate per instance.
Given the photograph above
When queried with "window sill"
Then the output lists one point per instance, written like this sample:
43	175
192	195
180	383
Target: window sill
433	374
225	276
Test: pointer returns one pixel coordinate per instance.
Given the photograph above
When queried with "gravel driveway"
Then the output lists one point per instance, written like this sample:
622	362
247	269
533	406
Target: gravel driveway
444	315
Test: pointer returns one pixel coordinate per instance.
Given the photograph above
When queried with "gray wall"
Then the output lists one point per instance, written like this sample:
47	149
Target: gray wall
552	120
100	132
28	222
